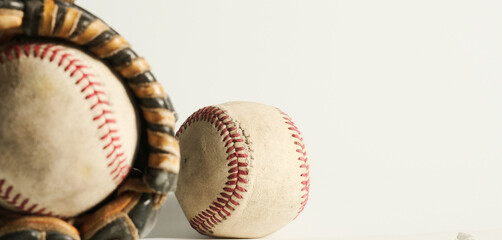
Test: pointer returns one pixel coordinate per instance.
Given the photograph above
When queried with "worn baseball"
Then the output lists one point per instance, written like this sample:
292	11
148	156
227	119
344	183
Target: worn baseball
68	129
244	170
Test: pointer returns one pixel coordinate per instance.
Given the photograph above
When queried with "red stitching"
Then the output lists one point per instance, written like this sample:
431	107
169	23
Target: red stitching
91	83
221	208
111	131
115	149
78	68
46	50
115	159
63	57
24	205
122	173
117	167
99	102
303	158
107	121
27	49
36	49
7	53
54	54
17	49
41	212
103	113
71	63
49	50
95	93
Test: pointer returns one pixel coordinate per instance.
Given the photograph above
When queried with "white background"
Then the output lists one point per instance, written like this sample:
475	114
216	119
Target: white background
399	101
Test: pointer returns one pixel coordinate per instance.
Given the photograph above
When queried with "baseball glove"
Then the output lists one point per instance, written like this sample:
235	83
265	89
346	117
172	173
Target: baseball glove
132	209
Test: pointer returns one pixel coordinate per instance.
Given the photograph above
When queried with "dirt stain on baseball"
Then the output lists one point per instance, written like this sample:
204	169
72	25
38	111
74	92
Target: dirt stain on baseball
44	87
84	170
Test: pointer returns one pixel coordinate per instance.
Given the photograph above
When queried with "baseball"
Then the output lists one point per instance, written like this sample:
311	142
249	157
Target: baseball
68	129
244	172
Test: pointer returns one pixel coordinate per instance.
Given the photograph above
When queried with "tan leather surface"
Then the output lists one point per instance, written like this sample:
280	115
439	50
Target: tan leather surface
42	224
10	18
113	210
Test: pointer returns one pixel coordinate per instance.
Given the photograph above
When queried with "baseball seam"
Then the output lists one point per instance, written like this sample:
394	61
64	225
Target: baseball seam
15	201
303	158
237	157
92	93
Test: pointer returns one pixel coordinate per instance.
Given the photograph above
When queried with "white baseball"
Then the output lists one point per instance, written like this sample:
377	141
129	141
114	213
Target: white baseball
68	129
244	170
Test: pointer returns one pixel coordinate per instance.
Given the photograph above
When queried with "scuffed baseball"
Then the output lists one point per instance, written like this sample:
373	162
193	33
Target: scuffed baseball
68	129
245	172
